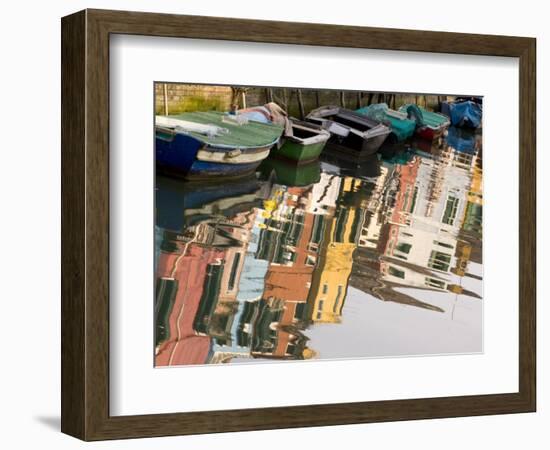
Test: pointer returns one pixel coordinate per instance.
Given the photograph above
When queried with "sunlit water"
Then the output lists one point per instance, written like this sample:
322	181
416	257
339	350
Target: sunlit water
341	258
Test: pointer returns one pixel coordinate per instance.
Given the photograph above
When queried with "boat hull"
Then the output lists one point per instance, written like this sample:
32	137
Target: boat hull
298	152
430	133
185	156
351	130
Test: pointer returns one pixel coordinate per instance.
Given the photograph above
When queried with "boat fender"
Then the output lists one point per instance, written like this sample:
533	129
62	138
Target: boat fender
233	153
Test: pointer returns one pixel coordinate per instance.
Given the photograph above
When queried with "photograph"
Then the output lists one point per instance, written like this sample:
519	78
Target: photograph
298	224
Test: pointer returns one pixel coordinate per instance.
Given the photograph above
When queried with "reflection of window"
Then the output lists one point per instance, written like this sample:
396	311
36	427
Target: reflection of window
233	274
443	244
310	261
300	310
319	314
396	272
321	303
439	261
318	229
338	297
435	283
403	247
451	208
409	202
325	288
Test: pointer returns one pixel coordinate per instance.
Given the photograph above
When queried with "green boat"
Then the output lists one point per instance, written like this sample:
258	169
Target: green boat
303	143
402	128
429	124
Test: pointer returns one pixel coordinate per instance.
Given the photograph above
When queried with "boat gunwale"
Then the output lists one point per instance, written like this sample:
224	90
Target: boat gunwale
222	147
321	135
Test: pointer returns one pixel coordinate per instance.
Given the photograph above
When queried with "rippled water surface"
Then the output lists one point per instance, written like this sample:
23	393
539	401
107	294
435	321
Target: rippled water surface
342	258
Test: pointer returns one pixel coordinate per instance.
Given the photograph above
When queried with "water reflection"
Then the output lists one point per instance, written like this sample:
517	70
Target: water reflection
339	258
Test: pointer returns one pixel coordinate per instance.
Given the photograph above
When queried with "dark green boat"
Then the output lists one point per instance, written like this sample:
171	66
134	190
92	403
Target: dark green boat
303	144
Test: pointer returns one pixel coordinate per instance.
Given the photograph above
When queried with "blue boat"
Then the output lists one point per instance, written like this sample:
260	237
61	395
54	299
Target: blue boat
463	113
203	145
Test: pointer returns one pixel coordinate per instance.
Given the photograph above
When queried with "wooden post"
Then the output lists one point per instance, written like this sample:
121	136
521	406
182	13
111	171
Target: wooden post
300	104
165	95
359	98
371	96
317	99
342	99
285	99
269	95
243	96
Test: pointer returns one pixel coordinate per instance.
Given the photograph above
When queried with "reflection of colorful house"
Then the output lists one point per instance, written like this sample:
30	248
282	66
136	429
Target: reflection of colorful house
218	303
182	277
420	244
472	220
262	329
330	280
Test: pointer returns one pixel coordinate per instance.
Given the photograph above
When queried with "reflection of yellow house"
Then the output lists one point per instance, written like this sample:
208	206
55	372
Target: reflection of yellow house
475	194
330	280
472	219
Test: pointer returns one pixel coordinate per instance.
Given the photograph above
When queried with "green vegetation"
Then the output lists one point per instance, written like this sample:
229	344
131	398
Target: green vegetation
194	103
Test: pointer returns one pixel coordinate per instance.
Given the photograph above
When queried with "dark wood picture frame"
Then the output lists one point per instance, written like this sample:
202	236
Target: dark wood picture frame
85	224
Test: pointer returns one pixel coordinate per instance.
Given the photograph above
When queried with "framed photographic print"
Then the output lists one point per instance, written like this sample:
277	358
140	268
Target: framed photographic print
270	224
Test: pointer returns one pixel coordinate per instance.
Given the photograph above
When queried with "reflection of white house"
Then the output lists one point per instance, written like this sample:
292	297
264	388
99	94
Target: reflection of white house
429	238
324	194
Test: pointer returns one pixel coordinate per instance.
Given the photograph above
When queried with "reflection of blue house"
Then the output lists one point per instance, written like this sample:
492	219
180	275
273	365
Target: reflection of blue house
251	284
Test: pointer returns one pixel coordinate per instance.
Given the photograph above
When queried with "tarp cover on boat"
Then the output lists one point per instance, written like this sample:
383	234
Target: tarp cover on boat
423	117
401	128
464	114
251	134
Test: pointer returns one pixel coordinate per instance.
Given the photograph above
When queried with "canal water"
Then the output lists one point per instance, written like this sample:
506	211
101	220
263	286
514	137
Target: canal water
340	258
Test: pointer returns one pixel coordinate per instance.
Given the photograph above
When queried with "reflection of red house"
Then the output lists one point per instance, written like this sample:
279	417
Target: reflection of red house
183	345
405	202
406	196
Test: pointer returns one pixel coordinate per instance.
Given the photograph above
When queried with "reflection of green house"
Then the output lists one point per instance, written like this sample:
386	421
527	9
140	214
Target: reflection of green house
277	237
473	218
165	291
265	336
244	330
259	329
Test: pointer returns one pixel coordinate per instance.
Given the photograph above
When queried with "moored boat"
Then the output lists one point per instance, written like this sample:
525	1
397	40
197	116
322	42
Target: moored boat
464	113
303	143
202	145
350	130
401	126
429	124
